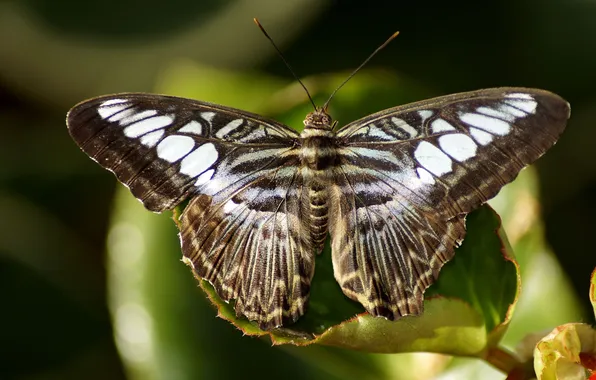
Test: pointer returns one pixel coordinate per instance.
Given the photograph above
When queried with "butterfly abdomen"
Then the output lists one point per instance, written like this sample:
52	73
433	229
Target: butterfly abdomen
318	211
318	156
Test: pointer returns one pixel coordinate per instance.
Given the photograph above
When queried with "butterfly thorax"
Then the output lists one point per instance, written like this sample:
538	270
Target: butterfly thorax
317	151
317	155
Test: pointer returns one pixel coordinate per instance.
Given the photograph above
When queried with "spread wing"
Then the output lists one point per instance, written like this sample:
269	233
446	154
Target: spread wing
242	229
407	177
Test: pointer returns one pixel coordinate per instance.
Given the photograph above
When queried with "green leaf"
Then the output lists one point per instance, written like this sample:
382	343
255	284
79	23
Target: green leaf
518	204
485	273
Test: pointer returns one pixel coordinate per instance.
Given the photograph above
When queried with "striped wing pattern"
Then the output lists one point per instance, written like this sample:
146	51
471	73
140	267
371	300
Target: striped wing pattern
409	175
392	189
164	148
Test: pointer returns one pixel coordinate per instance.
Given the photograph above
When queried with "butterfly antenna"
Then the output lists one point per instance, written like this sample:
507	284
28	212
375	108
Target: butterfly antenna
286	62
358	68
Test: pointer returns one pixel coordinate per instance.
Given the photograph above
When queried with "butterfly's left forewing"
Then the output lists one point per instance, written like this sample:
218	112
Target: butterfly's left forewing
243	229
408	176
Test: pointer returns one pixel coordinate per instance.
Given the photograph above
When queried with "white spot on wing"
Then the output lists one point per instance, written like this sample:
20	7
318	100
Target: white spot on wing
205	177
208	116
458	146
193	127
499	113
519	95
122	114
489	124
147	125
137	116
174	147
425	114
528	106
512	110
106	112
401	124
199	160
229	206
150	139
111	107
223	131
425	176
482	137
112	102
432	158
441	125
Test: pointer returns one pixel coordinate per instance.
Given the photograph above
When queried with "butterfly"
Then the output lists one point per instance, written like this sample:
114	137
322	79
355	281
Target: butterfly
391	189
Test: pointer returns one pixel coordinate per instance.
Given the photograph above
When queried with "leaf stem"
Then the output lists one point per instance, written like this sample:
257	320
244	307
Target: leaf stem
503	359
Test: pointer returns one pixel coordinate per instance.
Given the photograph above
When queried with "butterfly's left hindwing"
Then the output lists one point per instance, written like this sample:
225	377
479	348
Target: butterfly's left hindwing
407	176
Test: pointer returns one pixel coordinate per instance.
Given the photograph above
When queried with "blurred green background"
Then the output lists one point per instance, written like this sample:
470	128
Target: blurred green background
70	311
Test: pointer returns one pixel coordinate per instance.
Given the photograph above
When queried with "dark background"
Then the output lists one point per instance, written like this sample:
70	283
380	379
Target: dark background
56	204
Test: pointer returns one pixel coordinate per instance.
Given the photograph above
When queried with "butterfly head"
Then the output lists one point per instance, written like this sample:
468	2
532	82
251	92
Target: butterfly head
318	119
